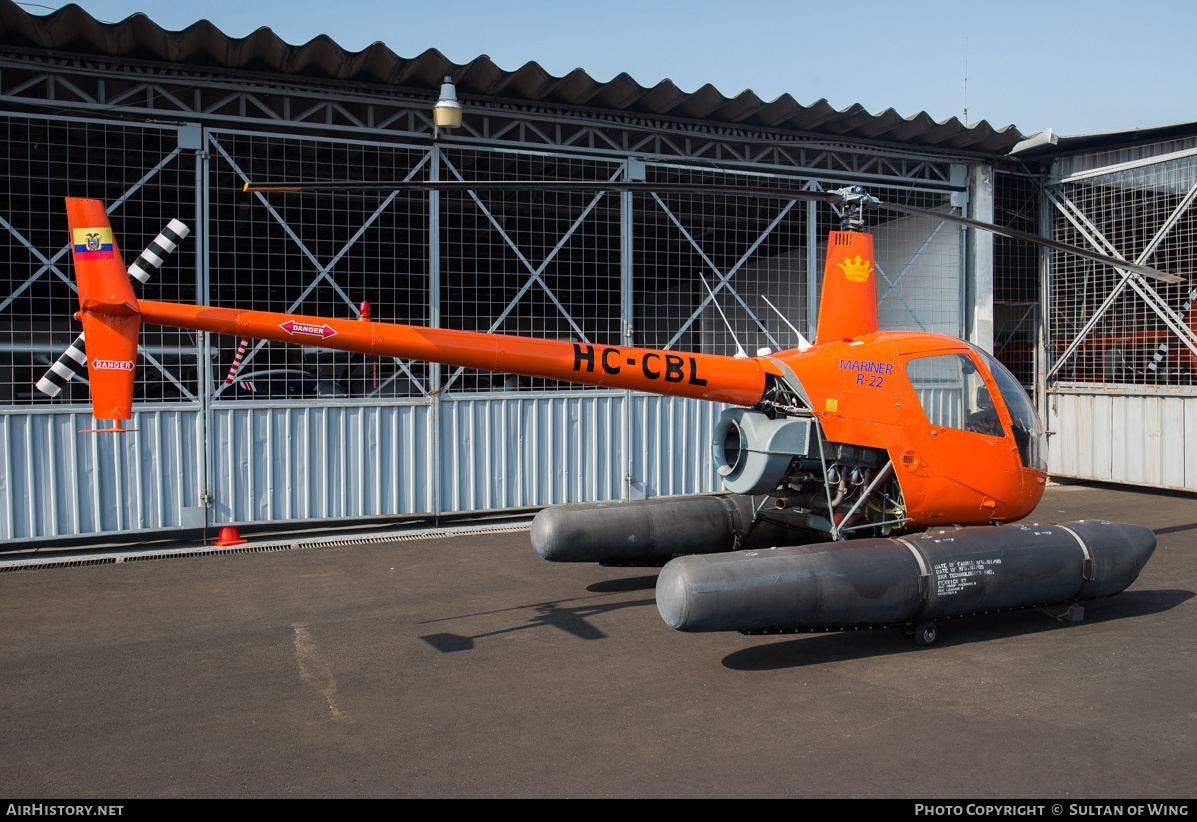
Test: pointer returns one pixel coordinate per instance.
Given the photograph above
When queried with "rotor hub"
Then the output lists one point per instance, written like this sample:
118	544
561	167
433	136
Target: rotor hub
853	201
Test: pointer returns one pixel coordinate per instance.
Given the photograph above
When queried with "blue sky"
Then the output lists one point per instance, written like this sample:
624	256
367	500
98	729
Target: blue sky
1076	67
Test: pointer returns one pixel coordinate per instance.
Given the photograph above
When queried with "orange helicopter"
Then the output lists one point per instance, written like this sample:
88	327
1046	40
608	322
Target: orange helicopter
862	433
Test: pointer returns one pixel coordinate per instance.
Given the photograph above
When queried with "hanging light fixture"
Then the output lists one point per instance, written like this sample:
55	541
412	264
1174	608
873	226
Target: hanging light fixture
447	111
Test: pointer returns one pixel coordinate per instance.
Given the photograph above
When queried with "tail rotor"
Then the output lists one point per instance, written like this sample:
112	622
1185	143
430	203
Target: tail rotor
75	357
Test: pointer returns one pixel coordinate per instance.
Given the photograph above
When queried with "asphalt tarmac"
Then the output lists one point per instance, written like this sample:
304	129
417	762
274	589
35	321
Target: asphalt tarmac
467	666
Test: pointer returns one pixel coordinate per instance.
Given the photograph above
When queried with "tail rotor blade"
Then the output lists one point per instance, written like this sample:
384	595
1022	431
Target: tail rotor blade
64	369
163	245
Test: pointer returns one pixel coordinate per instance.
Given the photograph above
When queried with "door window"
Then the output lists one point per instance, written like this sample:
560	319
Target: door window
953	395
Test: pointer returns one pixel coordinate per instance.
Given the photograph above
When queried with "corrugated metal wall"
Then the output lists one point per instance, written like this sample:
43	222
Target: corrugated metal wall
671	446
1139	439
60	481
495	452
314	462
516	452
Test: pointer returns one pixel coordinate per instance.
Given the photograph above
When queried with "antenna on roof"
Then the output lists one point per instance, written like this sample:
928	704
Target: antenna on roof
740	352
803	343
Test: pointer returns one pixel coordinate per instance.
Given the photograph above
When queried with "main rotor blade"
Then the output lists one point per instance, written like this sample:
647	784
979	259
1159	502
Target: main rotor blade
1014	234
835	197
549	185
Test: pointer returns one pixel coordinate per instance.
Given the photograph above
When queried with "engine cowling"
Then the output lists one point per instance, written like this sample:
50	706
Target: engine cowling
752	452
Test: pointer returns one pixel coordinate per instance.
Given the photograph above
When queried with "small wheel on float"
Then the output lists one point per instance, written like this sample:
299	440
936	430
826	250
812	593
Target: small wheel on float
926	634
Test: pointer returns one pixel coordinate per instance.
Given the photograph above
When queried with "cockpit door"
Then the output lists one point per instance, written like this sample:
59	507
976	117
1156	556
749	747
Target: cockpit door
964	431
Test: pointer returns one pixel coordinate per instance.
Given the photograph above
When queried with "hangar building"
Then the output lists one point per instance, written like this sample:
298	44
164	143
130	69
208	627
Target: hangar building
1115	364
163	125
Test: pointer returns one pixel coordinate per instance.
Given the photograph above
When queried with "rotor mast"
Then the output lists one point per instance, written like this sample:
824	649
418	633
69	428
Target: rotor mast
853	201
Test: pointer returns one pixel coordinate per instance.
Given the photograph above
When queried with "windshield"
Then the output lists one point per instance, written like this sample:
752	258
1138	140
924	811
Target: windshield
1028	433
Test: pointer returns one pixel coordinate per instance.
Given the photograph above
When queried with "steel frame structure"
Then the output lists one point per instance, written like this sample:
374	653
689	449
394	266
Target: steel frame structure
242	461
1117	378
1063	197
152	92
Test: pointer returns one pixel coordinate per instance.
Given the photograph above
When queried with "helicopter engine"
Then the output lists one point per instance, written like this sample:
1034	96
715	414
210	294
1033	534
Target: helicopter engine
781	479
754	453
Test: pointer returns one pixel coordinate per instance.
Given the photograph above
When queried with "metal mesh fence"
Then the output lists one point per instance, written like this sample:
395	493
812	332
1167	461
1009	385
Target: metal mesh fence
741	249
319	254
1016	275
752	249
919	262
1144	214
533	263
145	180
564	265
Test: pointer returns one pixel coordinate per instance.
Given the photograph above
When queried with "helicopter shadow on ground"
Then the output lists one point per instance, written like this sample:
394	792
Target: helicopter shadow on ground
839	646
572	619
1189	526
618	586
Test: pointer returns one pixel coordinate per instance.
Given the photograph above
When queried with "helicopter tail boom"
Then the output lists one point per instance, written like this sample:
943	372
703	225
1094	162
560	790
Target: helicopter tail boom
695	375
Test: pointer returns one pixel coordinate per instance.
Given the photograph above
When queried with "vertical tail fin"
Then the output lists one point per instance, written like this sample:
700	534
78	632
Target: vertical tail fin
109	311
848	307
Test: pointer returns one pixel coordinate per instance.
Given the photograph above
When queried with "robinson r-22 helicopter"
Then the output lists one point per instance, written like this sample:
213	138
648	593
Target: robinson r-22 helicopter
865	434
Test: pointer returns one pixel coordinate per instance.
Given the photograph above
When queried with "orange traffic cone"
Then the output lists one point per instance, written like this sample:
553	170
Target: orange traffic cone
229	535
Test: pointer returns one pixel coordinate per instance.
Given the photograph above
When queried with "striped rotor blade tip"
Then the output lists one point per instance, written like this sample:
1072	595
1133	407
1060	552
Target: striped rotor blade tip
62	371
157	251
236	366
179	229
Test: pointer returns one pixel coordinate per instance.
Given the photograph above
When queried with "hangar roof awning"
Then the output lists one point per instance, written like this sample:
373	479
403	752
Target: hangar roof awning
1037	146
72	30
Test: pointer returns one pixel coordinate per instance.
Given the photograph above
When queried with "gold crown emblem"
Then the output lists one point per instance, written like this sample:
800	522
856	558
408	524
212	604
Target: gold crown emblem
857	270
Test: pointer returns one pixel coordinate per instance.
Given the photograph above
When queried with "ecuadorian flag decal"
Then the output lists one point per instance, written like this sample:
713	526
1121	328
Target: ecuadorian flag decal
92	243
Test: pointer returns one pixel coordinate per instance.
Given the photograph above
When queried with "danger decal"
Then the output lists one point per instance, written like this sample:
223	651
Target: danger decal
307	329
112	365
